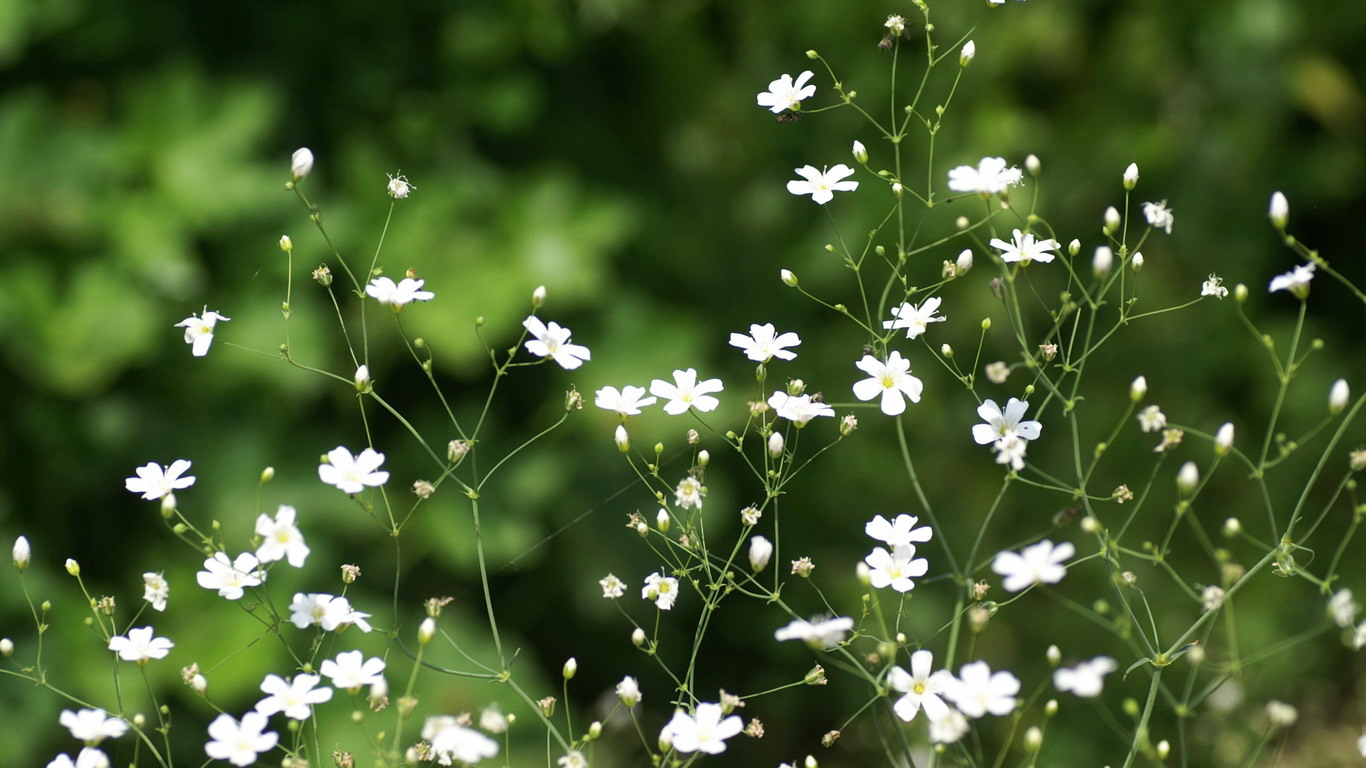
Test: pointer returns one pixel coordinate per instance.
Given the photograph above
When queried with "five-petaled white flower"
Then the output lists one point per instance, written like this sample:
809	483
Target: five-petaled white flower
352	671
990	177
687	392
952	728
352	473
154	481
704	732
763	343
820	633
1151	418
295	698
822	185
784	93
1010	450
89	757
281	538
398	295
1159	216
399	187
627	402
612	587
915	319
661	589
798	409
92	725
977	691
231	577
900	532
922	688
199	330
1214	286
552	341
1296	280
689	493
327	611
572	759
1024	247
239	742
155	590
895	569
892	380
453	742
1000	424
1343	608
1039	563
1087	678
140	645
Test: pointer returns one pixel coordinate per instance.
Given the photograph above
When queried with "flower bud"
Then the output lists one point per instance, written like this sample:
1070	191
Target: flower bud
967	53
6	647
22	553
962	222
267	475
638	637
1074	247
1111	220
594	729
73	567
168	505
1053	655
945	350
811	762
286	244
964	261
775	445
662	520
1136	263
760	550
986	323
1102	261
703	458
860	153
623	440
863	573
1138	389
456	450
811	54
301	163
1337	397
363	378
538	297
848	424
1232	527
1223	440
426	630
571	668
1187	477
1050	708
1131	176
1279	212
789	279
1240	293
1033	739
1164	748
1032	165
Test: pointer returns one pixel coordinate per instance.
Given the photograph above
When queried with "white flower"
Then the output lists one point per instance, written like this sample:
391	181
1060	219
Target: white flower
798	409
898	533
629	691
572	759
763	343
239	742
688	494
822	633
492	720
1280	714
990	177
326	611
627	402
1343	608
1131	176
453	742
1024	247
140	645
704	732
397	295
895	24
155	590
352	473
1087	678
154	481
92	725
891	379
1214	286
783	93
760	551
977	691
21	553
1011	450
895	569
915	319
1039	563
294	698
89	757
822	184
1151	419
280	538
1296	281
199	330
301	163
398	186
950	729
230	577
552	341
1159	216
686	392
1223	439
612	587
922	688
1359	637
1211	597
661	589
1001	424
352	671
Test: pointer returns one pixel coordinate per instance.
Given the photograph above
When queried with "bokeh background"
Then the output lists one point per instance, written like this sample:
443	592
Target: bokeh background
612	151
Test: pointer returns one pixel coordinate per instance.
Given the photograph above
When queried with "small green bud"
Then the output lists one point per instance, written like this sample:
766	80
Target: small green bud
267	474
789	279
571	668
286	244
73	567
811	54
986	323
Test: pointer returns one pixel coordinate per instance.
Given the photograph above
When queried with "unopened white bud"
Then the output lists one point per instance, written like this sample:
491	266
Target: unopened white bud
1111	219
286	244
1187	477
946	350
638	637
1138	389
1232	527
789	279
760	550
363	378
1223	439
426	630
1074	247
1279	212
964	262
1131	176
860	152
1054	655
1102	261
623	439
1337	397
73	567
199	683
968	52
1164	748
703	457
571	668
662	520
1032	165
538	297
811	762
1033	738
863	573
22	553
6	647
1136	263
775	445
301	163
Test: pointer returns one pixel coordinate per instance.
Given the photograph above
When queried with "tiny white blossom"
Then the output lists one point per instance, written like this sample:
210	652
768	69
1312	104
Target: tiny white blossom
763	343
892	380
492	720
784	93
281	538
923	688
1159	216
626	402
798	409
398	186
1010	450
572	759
1004	423
990	177
295	697
612	587
231	577
140	645
1039	563
895	24
629	691
352	671
687	392
552	341
154	481
915	319
240	742
452	742
978	691
92	725
1296	281
950	729
900	532
397	295
820	633
822	184
895	569
199	330
1151	419
351	474
1214	286
1211	597
663	590
1086	679
1343	608
89	757
689	493
1023	246
706	731
155	590
326	611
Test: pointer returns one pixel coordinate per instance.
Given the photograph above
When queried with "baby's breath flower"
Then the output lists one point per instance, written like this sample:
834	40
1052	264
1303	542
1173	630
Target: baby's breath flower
1087	678
895	24
750	515
663	590
1131	176
1343	608
1338	396
140	645
199	330
492	719
628	691
966	54
1280	714
612	587
1023	247
992	176
1159	216
1214	286
1111	220
803	567
423	489
1279	210
1296	281
997	372
21	553
154	481
1187	477
301	163
891	379
1170	439
1122	494
398	186
760	550
1040	563
1211	597
784	93
155	590
1151	418
689	493
822	184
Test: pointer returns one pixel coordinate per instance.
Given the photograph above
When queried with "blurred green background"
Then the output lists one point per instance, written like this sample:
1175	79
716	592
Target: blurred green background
612	151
